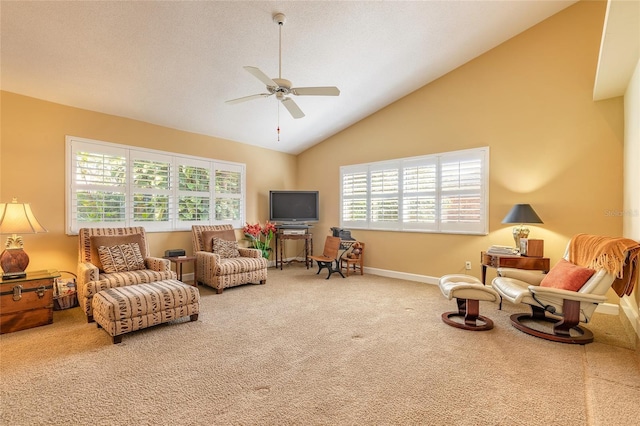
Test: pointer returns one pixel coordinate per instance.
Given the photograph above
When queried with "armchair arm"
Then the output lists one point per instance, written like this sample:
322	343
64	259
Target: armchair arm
157	264
206	265
550	292
530	277
207	256
249	252
87	272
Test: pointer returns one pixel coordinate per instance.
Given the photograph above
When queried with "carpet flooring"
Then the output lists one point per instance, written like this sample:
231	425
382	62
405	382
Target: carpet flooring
302	350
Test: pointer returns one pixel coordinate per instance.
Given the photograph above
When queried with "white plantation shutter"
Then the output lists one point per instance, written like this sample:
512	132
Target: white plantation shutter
111	185
229	194
419	209
355	203
461	202
99	179
151	190
385	195
437	193
194	192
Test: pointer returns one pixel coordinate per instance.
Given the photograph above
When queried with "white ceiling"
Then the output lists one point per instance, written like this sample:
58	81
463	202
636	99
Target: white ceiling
175	63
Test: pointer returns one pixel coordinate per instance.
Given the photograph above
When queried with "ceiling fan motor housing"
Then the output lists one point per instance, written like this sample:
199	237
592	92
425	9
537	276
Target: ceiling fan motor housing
283	86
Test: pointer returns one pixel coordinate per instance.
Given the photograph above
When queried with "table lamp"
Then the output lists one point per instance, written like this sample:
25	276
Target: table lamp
16	218
521	214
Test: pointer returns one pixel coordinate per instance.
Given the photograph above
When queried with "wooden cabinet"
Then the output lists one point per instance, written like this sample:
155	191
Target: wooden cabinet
27	302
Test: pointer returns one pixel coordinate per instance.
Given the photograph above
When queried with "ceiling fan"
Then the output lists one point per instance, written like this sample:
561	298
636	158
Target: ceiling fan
281	87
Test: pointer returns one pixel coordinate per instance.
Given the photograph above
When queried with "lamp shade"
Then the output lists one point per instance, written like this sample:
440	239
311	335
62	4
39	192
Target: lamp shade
522	213
17	218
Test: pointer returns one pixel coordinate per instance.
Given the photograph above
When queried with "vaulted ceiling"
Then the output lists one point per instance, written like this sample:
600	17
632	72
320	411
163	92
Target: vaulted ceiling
176	63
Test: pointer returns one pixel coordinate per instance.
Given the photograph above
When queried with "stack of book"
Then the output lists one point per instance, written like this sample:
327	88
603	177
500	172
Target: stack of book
504	250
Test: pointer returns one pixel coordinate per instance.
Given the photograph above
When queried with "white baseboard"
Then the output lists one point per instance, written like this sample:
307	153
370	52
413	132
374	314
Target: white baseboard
402	275
608	309
631	313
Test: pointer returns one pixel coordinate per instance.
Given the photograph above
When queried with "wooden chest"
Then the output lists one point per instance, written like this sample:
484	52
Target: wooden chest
27	302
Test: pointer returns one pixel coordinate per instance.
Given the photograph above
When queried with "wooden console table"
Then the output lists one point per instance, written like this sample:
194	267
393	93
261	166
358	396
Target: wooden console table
308	247
511	261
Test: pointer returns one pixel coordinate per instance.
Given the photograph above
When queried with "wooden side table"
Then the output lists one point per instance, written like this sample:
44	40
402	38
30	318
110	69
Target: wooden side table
27	302
308	247
178	261
512	261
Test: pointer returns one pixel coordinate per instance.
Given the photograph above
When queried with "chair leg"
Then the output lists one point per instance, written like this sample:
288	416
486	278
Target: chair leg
571	312
321	266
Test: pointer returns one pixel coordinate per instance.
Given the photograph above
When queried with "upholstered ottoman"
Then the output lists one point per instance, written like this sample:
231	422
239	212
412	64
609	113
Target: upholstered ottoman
121	310
468	291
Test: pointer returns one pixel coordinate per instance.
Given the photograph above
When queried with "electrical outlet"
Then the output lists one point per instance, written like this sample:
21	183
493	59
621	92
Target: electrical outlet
467	265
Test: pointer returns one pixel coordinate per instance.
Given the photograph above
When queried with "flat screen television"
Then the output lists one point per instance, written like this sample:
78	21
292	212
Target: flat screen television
294	207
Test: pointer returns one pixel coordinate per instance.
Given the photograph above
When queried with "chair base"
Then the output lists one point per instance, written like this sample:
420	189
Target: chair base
484	324
581	336
326	264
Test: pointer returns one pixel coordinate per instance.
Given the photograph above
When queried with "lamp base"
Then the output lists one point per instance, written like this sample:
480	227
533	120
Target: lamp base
520	232
14	261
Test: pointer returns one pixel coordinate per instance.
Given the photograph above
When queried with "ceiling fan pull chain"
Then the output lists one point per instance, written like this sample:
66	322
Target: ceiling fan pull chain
278	129
280	50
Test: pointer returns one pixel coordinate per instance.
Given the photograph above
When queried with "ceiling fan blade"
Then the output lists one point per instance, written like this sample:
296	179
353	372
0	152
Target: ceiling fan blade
293	108
247	98
260	76
316	91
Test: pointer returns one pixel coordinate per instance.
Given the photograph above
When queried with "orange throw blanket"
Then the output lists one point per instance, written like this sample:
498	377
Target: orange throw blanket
618	256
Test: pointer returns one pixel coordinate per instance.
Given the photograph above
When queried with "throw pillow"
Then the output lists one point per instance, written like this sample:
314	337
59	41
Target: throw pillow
208	236
114	240
224	248
567	276
121	258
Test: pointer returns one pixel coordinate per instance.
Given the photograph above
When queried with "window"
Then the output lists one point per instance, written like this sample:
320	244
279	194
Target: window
116	185
445	192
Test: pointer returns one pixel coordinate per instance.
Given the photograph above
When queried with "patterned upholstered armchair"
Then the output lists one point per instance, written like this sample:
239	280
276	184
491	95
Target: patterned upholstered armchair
219	270
92	277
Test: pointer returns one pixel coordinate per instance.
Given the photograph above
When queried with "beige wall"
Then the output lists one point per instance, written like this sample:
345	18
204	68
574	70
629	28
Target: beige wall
32	168
530	101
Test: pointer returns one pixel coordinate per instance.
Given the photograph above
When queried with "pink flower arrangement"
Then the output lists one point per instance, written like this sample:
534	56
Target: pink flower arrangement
260	236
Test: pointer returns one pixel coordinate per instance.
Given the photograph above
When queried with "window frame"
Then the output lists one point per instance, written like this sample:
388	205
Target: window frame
473	167
74	144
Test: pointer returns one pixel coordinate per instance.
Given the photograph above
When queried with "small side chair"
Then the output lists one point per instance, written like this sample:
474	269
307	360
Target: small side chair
356	261
329	257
